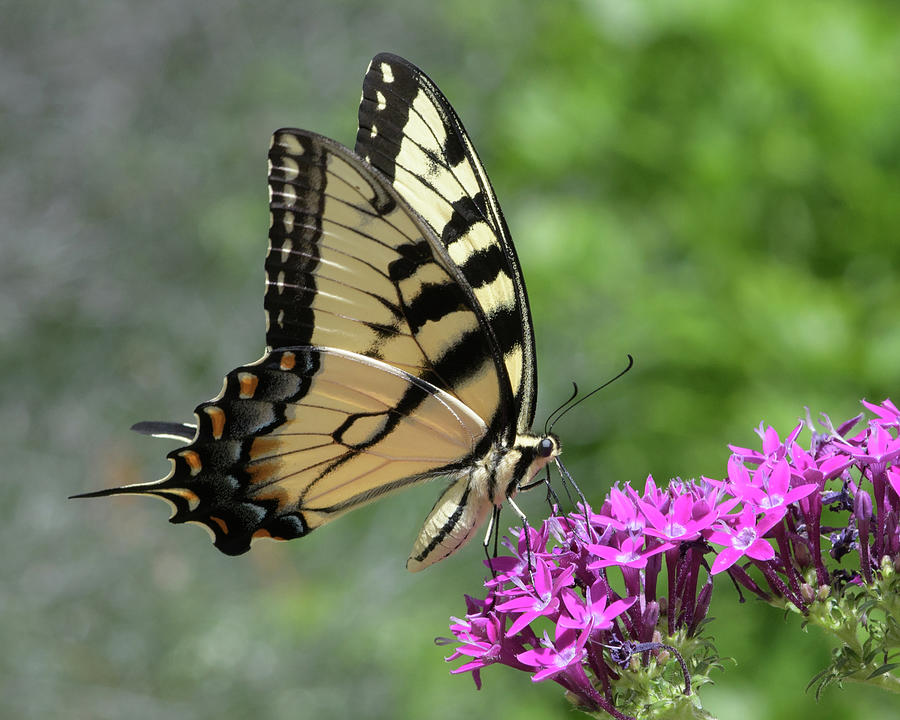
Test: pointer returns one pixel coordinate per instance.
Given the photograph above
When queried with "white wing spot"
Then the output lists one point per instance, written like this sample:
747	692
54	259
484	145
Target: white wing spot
279	283
387	73
382	100
286	250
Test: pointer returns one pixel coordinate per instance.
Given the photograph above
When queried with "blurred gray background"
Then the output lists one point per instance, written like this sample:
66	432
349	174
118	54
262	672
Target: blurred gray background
710	186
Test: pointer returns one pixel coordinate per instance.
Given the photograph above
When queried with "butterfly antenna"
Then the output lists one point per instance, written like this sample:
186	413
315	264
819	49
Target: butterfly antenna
548	424
569	404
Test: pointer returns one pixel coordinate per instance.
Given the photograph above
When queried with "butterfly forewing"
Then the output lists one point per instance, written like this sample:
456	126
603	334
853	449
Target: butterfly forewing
409	131
349	266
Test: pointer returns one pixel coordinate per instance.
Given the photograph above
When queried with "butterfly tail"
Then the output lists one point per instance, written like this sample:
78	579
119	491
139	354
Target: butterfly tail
167	430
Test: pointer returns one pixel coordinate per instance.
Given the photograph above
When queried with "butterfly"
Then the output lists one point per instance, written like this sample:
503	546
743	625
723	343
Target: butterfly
400	347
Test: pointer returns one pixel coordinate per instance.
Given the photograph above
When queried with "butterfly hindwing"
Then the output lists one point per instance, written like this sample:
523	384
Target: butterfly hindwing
411	134
305	435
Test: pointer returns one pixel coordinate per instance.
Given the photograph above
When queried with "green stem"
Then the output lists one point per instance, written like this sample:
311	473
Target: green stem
885	681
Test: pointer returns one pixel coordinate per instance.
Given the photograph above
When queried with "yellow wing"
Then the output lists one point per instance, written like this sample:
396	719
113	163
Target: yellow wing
411	134
350	266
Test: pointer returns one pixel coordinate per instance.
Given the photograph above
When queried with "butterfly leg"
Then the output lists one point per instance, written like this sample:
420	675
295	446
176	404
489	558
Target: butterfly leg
493	529
552	498
532	485
525	529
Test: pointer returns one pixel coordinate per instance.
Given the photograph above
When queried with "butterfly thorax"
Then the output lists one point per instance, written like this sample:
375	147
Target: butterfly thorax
514	466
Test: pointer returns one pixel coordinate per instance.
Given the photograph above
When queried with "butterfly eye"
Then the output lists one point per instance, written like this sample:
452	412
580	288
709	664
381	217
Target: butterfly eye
546	447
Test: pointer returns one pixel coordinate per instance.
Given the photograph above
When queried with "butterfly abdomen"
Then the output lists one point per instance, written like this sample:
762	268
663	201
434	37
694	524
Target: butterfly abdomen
468	500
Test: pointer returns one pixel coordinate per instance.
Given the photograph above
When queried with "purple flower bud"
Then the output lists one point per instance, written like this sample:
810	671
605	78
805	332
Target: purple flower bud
862	510
702	606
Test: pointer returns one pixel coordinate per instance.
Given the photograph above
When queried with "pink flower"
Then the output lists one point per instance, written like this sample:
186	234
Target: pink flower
745	538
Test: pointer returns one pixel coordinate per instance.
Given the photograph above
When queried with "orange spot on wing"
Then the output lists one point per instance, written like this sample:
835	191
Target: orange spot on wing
288	360
262	533
264	470
190	496
217	418
248	382
265	446
193	461
223	526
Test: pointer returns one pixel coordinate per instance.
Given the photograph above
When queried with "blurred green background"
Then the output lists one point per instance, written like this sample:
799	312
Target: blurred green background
710	186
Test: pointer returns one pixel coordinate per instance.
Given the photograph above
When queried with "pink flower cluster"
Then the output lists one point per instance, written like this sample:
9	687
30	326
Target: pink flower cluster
596	584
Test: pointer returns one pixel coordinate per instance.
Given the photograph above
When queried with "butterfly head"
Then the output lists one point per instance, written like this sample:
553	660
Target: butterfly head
532	453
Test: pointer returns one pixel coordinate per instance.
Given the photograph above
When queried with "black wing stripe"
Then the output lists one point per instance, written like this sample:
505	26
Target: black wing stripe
378	155
432	303
483	266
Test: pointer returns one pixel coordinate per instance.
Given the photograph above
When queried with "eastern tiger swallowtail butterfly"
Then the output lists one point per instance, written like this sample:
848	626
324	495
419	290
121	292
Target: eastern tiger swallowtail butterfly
399	340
